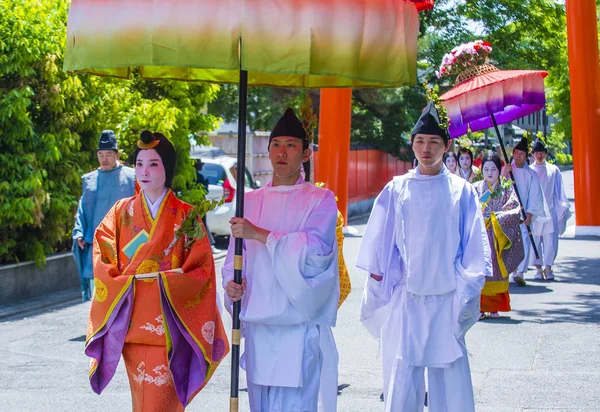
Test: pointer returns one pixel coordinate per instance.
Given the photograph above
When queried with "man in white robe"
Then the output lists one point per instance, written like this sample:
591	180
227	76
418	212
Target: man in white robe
427	254
533	201
291	283
559	208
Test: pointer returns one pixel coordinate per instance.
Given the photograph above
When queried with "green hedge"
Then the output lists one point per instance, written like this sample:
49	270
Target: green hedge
50	122
563	159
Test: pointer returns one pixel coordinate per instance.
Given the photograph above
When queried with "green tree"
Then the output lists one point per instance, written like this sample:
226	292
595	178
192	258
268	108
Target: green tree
525	34
385	117
50	122
265	104
46	118
173	108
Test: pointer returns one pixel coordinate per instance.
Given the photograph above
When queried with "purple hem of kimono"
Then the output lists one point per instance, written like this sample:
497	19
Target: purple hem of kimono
186	360
107	345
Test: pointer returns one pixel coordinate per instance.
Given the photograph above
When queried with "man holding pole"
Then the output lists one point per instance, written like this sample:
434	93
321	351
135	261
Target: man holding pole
559	207
290	287
532	201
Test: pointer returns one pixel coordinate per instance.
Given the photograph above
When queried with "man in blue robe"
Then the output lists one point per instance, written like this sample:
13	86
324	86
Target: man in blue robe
101	190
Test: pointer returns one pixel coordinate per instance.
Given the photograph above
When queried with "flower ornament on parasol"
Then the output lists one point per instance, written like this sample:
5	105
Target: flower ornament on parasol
485	96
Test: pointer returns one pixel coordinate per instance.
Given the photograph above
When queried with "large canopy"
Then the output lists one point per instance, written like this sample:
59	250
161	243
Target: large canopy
291	43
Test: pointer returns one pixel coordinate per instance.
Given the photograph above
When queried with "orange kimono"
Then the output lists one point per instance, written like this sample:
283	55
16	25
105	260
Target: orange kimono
168	329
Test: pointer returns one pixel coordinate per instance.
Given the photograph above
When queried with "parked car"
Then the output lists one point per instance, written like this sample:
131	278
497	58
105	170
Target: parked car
220	172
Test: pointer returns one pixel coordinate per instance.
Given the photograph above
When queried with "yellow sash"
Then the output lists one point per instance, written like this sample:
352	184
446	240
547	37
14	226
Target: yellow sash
345	285
501	242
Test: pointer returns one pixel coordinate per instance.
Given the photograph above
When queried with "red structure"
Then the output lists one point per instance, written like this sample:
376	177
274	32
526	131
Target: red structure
584	68
334	143
369	170
349	182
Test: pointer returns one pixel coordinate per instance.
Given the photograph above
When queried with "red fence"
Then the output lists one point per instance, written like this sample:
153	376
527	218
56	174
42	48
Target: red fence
369	170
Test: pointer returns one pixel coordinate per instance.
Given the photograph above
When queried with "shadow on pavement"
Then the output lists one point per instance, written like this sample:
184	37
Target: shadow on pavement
502	320
582	308
342	387
530	289
578	270
78	339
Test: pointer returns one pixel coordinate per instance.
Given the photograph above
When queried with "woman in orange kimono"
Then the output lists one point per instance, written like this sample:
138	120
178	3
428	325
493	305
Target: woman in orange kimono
155	298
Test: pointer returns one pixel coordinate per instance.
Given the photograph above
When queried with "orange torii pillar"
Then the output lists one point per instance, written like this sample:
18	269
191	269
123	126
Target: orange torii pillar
585	112
335	112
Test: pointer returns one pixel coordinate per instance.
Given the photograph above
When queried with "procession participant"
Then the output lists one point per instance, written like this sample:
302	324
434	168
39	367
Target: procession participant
466	169
155	291
559	207
451	162
427	254
101	189
478	160
502	215
290	290
533	202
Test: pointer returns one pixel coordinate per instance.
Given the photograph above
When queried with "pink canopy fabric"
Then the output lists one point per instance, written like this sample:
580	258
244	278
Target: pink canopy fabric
506	94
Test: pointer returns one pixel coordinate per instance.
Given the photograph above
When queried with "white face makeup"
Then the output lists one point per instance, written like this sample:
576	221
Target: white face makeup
451	163
465	161
490	172
150	172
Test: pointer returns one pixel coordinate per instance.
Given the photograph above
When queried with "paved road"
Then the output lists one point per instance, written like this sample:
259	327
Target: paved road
542	356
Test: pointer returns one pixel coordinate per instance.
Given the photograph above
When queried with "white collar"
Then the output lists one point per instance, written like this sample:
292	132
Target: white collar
463	174
153	207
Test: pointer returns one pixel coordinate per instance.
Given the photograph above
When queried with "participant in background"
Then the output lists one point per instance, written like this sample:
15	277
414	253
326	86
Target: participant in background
466	169
533	202
559	208
478	160
502	220
451	162
101	189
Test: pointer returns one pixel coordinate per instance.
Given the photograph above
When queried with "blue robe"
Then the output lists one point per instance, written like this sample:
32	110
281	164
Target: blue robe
101	190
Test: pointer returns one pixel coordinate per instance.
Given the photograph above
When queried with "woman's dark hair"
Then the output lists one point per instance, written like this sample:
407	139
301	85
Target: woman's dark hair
492	157
450	154
163	147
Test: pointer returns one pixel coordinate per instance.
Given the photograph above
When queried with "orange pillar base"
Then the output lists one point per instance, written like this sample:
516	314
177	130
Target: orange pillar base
585	111
335	114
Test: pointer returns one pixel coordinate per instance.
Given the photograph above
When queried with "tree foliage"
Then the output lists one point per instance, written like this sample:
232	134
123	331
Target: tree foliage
525	34
50	122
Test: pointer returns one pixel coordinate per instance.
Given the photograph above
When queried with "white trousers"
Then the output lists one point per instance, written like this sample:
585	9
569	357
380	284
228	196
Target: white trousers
547	246
450	389
292	399
528	249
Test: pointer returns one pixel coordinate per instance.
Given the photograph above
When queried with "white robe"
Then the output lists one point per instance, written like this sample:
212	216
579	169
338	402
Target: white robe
534	202
291	299
554	192
426	236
